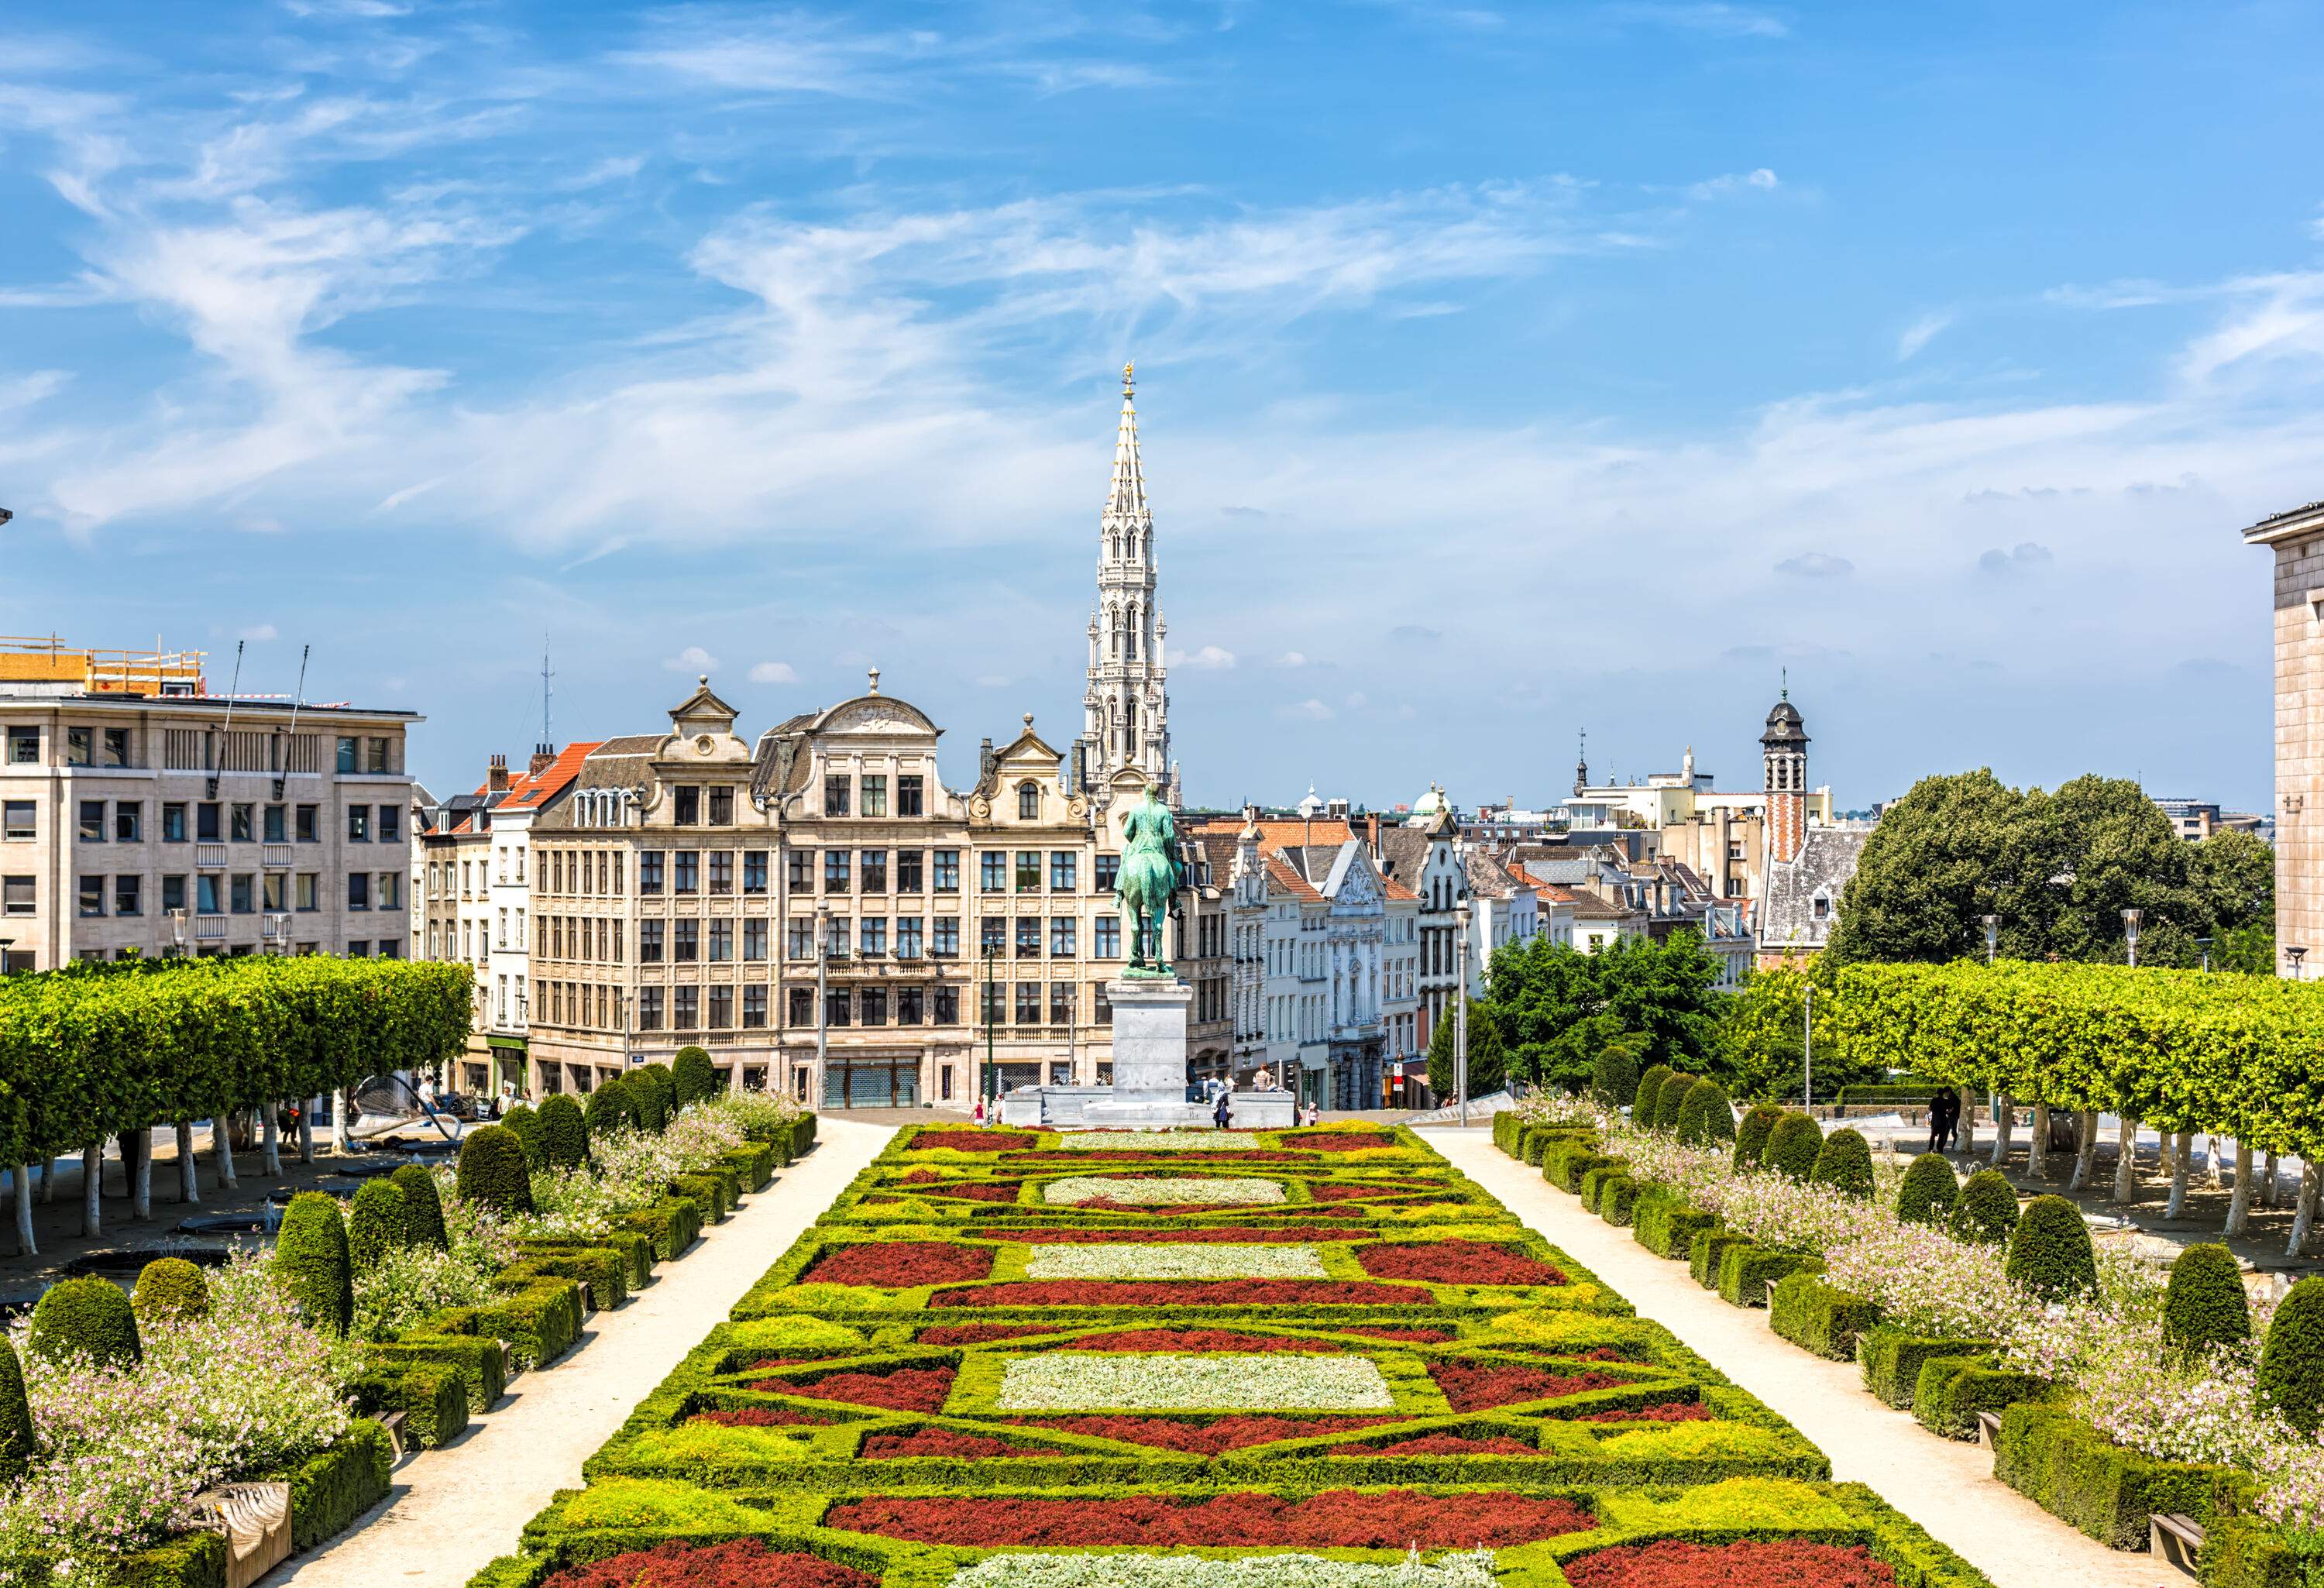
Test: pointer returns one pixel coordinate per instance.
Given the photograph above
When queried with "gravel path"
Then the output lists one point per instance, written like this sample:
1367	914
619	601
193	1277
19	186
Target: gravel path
1945	1485
454	1509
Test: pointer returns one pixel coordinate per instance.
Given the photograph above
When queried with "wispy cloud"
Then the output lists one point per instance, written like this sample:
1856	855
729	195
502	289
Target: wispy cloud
1209	658
1815	565
1310	710
694	659
1922	332
772	672
1757	180
1725	22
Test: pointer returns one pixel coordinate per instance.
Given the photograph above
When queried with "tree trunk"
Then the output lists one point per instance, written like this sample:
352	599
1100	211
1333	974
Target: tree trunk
1964	1133
2037	1146
92	1189
2126	1167
2304	1217
49	1178
307	1132
222	1139
2005	1115
137	1158
2239	1203
2211	1143
25	1245
2182	1160
271	1144
189	1179
339	1111
2086	1150
2267	1181
2165	1145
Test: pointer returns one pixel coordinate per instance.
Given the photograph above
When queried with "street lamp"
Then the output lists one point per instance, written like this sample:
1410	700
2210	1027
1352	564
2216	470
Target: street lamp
823	999
177	932
1461	1008
1992	936
1807	1047
984	1082
2204	944
2130	919
2297	956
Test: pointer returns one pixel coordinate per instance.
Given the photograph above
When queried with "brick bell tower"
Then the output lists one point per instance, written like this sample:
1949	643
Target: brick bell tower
1784	749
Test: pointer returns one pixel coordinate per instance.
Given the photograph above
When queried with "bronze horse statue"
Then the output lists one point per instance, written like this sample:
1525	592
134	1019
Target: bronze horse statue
1150	878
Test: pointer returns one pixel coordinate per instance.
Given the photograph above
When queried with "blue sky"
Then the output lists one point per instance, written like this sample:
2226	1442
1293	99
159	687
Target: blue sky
1503	370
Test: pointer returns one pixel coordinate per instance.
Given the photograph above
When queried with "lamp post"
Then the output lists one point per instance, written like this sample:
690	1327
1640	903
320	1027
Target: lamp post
1461	1009
177	932
1992	936
2130	920
985	1081
1807	1048
2204	945
823	1000
2297	956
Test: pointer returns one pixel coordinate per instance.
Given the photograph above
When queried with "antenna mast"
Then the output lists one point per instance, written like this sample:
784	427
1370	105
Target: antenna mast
547	741
226	734
291	740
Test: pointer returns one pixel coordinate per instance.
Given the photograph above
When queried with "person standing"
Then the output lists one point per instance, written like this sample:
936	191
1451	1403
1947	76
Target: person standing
1941	1124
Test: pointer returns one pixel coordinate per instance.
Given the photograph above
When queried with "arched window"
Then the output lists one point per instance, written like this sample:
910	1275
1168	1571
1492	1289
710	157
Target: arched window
1028	801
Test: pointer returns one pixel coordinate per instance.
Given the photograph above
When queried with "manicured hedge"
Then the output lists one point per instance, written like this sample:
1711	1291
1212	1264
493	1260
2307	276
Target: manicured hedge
1951	1391
2076	1473
1745	1271
1819	1317
1892	1360
1667	1227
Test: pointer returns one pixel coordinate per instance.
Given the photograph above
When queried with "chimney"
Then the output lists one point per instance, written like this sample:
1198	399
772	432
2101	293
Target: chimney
496	780
544	756
1371	831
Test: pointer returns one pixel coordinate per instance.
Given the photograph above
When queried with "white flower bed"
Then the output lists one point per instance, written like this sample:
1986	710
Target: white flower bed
1467	1569
1176	1262
1155	1141
1062	1380
1161	1192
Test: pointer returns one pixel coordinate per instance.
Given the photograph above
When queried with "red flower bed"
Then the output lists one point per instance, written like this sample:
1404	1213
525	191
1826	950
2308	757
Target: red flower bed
1197	1438
978	1333
1251	1155
1346	1193
1394	1519
899	1264
903	1390
1237	1234
1458	1262
1475	1386
991	1191
1676	1411
1193	1340
968	1140
1442	1444
745	1563
1748	1563
762	1417
1183	1293
1339	1141
936	1441
1389	1331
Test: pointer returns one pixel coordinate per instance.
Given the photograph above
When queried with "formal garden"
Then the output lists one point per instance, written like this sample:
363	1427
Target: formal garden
368	1328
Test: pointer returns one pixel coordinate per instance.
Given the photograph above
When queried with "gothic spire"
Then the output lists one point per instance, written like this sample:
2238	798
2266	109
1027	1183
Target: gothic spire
1126	500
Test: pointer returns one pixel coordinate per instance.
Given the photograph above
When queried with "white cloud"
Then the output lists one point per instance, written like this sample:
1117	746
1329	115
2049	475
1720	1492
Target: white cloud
1921	333
773	672
1309	710
2025	557
1291	658
694	659
1718	21
1358	700
257	632
1209	658
1816	564
1759	181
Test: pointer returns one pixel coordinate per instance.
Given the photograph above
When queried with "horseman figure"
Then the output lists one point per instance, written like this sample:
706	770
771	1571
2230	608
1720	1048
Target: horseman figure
1150	878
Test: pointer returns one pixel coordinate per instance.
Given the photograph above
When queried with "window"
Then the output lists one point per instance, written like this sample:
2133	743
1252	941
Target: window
349	757
875	937
1064	870
278	827
685	1008
802	1012
309	891
1061	937
1028	936
173	893
1106	874
1107	943
271	891
799	937
798	870
838	1007
92	892
685	941
207	825
872	1006
375	756
391	831
943	942
992	935
992	1003
649	871
684	869
834	795
358	890
876	870
649	1009
391	897
309	825
242	822
17	895
907	794
721	941
907	937
754	871
721	807
947	878
948	1006
875	801
20	818
242	893
911	1006
1061	1003
77	747
24	749
1823	907
688	812
1102	1012
907	871
206	895
1028	802
1029	871
174	822
128	896
835	939
390	948
722	1007
991	870
116	747
92	821
358	823
722	871
1028	1004
755	1007
754	940
836	864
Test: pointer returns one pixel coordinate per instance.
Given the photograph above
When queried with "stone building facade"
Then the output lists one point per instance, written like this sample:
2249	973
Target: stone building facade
2296	537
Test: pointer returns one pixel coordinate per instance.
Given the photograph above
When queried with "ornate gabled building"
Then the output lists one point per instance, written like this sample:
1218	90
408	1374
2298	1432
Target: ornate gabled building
1127	702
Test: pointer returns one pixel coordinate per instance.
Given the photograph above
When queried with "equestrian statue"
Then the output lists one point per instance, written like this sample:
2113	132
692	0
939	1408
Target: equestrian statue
1150	877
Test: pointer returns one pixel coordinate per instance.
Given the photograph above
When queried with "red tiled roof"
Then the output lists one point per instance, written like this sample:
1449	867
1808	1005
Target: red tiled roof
531	790
1279	870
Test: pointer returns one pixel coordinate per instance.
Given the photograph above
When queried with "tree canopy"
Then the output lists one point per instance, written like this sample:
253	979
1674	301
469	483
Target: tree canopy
1557	1007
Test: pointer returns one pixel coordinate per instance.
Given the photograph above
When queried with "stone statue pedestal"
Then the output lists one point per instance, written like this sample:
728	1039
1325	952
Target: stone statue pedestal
1150	1072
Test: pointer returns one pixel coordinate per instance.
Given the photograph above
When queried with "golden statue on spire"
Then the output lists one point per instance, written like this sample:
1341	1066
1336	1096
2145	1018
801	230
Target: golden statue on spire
1129	379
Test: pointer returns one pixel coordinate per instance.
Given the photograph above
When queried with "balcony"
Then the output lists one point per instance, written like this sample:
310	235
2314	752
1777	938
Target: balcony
209	856
276	857
210	927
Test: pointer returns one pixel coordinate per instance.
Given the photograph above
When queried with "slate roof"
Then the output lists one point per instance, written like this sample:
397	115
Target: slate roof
1487	879
1827	859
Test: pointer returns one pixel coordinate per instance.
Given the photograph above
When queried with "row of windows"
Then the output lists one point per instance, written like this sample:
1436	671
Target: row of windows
112	748
839	793
229	893
123	821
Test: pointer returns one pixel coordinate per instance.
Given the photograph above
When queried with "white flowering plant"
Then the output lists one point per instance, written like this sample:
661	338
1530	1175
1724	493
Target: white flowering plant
1064	1380
1226	1261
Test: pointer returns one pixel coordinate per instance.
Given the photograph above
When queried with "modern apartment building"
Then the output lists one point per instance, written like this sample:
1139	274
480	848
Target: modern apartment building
141	814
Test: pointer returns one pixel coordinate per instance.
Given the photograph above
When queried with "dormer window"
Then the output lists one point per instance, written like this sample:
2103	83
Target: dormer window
1028	802
1823	907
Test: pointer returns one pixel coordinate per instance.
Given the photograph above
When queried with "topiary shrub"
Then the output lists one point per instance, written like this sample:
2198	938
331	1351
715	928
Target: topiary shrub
1706	1118
693	1074
563	1133
86	1317
527	1126
1844	1164
310	1260
423	1209
1614	1074
16	1446
170	1290
1670	1098
2205	1304
2050	1251
1986	1211
610	1108
493	1170
376	1224
2290	1360
1793	1146
1930	1191
1642	1101
1751	1135
657	1097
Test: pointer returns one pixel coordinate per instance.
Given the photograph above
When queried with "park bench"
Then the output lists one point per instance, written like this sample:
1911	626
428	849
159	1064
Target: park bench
2175	1539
